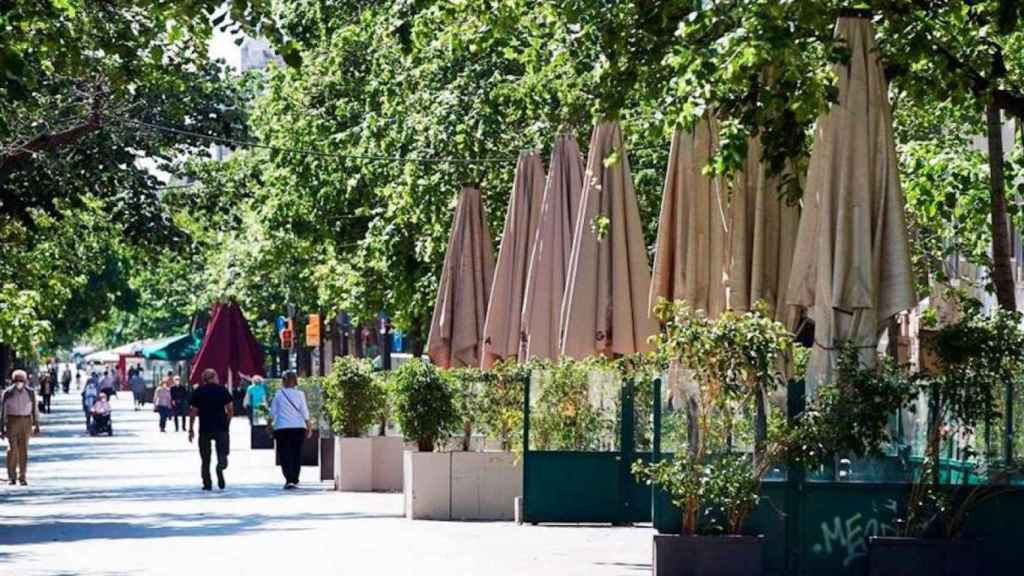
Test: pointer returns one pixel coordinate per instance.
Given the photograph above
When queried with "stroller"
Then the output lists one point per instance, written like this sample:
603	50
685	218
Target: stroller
101	425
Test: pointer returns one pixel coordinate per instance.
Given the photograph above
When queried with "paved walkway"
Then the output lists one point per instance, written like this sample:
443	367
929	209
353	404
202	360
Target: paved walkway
131	504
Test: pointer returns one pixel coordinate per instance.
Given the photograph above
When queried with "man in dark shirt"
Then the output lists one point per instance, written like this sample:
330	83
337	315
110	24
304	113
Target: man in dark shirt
212	403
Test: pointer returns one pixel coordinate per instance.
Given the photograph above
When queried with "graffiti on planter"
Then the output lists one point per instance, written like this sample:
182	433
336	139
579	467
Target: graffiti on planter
849	536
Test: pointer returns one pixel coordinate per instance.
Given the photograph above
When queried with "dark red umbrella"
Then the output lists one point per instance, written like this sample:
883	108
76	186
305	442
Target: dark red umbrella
228	347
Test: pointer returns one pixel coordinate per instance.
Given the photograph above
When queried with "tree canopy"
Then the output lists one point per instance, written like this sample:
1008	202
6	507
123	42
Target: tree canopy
385	109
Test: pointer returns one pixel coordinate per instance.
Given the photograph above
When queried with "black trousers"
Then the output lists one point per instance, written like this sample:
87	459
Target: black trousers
46	403
289	448
222	441
182	415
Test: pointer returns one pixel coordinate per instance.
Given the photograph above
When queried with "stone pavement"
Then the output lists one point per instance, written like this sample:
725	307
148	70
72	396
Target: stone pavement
131	504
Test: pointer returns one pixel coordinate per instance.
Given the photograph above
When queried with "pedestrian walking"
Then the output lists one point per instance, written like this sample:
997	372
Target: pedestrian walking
89	395
65	380
19	419
163	404
138	386
212	403
255	397
45	391
179	400
108	384
290	416
78	380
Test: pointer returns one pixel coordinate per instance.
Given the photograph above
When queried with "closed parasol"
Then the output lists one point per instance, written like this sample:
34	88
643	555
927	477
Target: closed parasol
505	310
605	308
852	263
549	261
457	327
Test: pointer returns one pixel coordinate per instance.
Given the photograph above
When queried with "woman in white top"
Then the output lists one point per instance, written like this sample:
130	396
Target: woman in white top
290	416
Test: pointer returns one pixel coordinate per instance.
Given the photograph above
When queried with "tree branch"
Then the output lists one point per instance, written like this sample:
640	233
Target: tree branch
55	140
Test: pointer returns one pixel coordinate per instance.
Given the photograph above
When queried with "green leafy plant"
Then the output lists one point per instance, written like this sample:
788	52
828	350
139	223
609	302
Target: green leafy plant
424	404
353	398
501	403
977	357
569	413
734	360
467	385
850	415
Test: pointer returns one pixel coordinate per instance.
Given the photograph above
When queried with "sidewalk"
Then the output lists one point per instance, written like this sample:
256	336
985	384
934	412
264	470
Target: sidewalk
131	504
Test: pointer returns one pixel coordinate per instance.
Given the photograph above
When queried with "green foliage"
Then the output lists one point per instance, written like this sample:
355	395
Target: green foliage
977	358
353	399
501	403
850	415
467	385
575	407
734	360
423	403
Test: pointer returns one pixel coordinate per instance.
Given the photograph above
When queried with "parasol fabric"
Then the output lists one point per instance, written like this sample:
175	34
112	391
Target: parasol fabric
852	263
228	347
549	260
605	309
503	324
457	326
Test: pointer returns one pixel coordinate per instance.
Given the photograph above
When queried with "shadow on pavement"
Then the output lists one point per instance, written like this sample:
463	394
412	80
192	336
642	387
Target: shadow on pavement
70	528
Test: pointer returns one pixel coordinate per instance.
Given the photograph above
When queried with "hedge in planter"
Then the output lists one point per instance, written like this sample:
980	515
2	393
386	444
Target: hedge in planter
423	403
353	400
734	361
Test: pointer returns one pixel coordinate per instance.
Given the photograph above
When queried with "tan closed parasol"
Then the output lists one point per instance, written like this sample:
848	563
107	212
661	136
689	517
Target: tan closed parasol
605	308
505	309
457	327
852	263
549	262
721	247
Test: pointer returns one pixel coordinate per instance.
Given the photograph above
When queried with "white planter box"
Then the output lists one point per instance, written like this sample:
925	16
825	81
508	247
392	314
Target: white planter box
427	477
371	464
485	485
461	485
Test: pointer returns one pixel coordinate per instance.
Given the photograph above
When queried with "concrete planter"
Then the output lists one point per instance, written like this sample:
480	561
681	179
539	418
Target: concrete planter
485	485
907	556
372	464
676	555
461	485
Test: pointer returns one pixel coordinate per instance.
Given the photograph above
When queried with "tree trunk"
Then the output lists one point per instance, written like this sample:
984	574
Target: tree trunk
1002	272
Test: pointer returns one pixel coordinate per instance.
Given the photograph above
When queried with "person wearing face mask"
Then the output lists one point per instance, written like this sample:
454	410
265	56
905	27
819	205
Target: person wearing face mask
19	419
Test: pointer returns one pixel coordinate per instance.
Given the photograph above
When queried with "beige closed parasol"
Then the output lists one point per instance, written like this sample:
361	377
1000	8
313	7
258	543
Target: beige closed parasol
549	261
852	264
605	309
457	327
505	309
721	246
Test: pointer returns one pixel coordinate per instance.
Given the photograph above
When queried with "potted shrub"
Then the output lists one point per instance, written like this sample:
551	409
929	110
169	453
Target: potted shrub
467	386
974	358
733	360
354	400
425	409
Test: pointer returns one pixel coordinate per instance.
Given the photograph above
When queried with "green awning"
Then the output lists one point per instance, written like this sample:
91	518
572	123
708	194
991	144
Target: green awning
173	349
